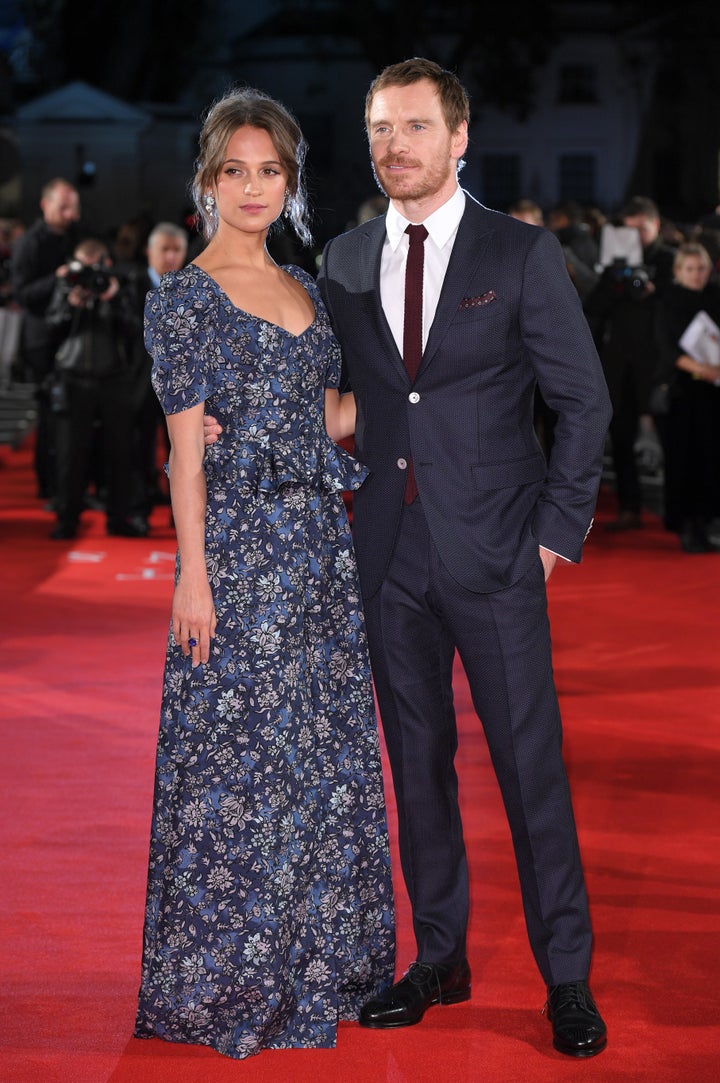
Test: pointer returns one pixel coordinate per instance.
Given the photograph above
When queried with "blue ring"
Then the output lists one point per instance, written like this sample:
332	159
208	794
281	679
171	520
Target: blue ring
192	642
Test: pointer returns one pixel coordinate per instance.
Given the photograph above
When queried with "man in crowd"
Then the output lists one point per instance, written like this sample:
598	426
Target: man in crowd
167	248
39	256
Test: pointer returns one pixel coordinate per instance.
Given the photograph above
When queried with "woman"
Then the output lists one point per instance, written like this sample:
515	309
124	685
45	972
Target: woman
269	913
691	427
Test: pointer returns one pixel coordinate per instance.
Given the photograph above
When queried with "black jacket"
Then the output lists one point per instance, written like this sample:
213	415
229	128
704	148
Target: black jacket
36	256
96	338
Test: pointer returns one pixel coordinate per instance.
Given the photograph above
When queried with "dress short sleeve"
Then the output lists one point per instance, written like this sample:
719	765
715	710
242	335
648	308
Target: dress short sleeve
176	337
334	363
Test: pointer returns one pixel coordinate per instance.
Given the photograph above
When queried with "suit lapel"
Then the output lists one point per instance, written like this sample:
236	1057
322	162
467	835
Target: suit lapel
471	243
373	241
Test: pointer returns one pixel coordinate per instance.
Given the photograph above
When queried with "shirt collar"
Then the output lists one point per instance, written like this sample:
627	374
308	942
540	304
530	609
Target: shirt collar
154	276
441	224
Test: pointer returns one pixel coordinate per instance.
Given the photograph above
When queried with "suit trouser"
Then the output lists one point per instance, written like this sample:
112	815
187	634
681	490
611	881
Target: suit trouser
624	385
38	365
90	400
148	420
415	622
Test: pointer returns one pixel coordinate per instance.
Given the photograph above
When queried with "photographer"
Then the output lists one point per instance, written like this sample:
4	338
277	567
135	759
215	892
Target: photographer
91	385
36	257
621	314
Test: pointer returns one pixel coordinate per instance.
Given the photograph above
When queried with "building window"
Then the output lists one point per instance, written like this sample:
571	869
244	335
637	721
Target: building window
577	177
500	180
577	84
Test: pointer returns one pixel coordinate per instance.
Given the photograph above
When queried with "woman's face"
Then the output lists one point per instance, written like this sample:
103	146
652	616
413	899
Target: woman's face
692	272
251	185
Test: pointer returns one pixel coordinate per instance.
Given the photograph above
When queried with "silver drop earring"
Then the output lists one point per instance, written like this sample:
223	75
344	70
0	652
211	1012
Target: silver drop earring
209	203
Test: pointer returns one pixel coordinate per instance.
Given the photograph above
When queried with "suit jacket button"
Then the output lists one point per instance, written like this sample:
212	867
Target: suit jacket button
402	464
414	397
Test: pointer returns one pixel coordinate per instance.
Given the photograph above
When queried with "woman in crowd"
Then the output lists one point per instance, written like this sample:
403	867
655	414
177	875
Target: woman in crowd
269	912
687	403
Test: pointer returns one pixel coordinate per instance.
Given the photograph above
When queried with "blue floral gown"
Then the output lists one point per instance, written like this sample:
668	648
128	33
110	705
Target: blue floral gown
269	910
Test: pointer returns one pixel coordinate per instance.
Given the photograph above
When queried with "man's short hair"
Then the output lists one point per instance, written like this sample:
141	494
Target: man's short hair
640	205
50	186
92	250
167	229
453	96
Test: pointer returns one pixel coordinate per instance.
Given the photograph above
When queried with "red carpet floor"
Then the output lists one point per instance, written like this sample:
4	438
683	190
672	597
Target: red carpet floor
638	667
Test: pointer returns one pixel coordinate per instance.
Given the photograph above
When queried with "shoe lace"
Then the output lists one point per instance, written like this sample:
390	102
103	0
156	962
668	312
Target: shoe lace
571	994
421	973
427	975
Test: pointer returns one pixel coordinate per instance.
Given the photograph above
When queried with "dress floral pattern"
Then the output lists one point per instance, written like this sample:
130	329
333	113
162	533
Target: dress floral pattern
269	911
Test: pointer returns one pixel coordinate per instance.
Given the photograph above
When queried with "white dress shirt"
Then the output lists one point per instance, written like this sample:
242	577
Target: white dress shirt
442	227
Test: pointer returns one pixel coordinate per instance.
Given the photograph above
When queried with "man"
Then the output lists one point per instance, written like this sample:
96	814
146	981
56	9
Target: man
621	311
38	259
462	565
567	222
96	320
167	247
527	210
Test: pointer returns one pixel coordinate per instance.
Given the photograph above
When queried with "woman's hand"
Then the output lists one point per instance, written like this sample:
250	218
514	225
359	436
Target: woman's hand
193	616
711	373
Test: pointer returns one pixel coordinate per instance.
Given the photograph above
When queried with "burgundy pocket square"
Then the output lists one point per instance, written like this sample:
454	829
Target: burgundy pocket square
475	302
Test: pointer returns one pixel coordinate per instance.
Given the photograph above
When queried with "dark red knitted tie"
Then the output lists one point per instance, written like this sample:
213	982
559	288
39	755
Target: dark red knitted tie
412	325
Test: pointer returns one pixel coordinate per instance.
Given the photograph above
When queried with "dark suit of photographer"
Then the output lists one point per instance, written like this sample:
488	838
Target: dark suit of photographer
44	247
167	248
621	313
96	320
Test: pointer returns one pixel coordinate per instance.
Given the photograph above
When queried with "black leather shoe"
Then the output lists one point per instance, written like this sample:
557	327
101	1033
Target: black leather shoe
578	1028
406	1002
128	528
63	532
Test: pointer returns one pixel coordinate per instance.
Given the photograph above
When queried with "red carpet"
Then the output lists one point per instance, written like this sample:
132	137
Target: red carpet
638	668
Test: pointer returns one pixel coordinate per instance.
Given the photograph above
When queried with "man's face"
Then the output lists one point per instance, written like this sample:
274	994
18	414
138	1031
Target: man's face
648	228
61	208
166	253
414	153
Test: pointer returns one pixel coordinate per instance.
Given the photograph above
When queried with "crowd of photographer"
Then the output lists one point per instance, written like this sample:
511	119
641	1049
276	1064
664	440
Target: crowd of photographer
642	281
82	301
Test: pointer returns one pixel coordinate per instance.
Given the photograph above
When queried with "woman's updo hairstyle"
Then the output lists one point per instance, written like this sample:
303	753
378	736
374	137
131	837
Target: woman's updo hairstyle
258	110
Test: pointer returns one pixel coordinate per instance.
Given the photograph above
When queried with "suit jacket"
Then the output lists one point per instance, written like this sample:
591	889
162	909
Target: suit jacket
508	319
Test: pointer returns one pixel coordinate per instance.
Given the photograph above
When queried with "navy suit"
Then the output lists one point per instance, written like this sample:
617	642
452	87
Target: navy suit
459	569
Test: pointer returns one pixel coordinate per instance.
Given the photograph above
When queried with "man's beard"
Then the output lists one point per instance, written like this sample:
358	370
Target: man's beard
410	188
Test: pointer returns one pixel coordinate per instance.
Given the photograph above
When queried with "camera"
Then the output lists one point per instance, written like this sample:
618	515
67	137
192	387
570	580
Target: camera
621	260
94	278
628	281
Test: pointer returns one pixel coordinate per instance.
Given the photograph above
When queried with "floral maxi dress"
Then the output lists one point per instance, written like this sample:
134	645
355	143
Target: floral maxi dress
269	909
